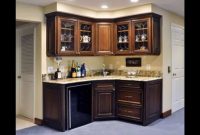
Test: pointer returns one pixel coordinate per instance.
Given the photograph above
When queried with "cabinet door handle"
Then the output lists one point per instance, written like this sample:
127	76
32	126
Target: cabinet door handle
113	89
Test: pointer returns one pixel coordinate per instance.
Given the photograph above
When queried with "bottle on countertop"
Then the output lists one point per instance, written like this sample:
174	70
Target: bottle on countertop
83	70
69	71
58	74
78	69
73	70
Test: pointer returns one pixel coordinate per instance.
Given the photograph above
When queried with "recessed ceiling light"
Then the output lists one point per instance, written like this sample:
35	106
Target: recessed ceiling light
104	6
134	0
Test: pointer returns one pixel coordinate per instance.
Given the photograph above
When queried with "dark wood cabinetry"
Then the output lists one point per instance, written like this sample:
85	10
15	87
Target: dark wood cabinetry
136	101
54	113
143	33
104	38
86	44
69	36
146	34
61	36
103	99
139	101
122	44
76	35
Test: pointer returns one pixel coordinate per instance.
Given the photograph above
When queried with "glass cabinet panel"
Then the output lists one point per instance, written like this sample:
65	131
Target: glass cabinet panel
123	37
141	36
85	36
67	36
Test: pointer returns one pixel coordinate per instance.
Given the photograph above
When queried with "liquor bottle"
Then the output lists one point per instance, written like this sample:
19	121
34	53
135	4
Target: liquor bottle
78	70
83	70
58	74
73	70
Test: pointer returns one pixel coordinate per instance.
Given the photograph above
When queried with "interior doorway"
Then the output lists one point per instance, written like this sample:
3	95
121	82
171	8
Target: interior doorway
177	39
25	71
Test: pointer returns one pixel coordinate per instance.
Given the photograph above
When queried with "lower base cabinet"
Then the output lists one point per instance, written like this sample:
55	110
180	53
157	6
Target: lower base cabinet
103	100
136	101
139	101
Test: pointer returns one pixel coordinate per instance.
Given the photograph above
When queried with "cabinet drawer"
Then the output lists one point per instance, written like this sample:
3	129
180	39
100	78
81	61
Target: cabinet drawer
129	96
110	85
129	85
133	112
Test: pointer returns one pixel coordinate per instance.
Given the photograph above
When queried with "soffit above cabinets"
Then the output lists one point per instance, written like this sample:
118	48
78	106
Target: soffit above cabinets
176	6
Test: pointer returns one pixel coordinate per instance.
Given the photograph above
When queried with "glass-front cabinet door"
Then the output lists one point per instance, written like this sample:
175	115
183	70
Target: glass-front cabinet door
86	38
123	37
67	38
141	36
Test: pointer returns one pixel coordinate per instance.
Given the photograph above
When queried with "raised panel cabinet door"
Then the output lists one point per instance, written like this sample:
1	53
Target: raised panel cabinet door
104	103
104	38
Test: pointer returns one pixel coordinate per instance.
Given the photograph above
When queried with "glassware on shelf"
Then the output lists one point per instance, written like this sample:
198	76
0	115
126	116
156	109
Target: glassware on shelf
67	25
143	48
143	37
120	39
85	39
63	49
137	38
68	37
125	38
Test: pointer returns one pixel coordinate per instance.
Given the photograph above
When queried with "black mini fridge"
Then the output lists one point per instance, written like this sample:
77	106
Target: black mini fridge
79	105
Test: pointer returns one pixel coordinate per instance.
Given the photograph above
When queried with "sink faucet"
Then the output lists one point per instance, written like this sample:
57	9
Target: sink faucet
103	70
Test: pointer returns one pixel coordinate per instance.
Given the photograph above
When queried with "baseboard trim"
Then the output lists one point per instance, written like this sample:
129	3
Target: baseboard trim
166	114
38	121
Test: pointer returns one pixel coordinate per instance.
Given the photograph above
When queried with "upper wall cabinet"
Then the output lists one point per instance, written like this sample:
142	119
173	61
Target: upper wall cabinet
86	44
73	35
139	35
104	38
69	36
146	35
123	37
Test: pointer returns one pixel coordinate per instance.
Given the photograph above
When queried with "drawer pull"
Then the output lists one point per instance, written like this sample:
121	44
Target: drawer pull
128	96
129	111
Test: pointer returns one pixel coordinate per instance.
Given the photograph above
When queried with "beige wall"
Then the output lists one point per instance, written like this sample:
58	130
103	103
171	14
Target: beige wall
30	13
118	61
91	62
36	14
167	19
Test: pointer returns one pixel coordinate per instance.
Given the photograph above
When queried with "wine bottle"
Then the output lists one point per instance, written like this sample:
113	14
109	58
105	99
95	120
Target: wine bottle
73	70
78	71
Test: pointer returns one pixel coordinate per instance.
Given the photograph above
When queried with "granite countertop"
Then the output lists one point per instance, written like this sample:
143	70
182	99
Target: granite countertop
96	78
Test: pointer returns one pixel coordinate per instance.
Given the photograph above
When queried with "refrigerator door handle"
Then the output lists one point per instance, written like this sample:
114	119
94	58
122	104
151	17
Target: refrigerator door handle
70	123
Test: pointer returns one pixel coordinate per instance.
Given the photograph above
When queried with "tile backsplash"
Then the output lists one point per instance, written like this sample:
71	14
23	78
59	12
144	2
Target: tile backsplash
115	65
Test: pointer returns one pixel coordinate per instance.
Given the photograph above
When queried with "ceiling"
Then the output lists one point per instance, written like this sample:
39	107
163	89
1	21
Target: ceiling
176	6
